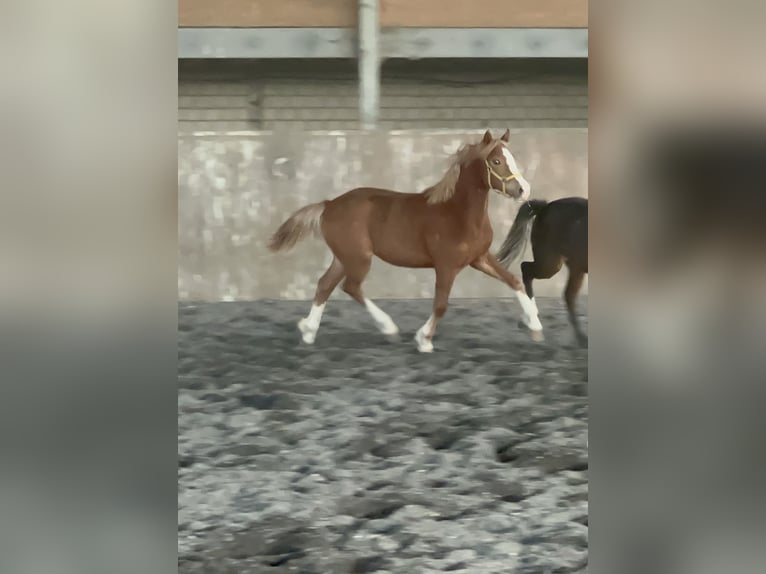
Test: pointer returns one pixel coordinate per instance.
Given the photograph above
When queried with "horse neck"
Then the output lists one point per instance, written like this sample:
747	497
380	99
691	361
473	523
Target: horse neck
472	193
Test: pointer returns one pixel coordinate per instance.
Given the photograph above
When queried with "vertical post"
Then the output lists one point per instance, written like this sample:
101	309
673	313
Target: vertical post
369	64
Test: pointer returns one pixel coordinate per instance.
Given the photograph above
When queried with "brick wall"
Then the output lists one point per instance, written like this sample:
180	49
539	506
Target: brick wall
224	95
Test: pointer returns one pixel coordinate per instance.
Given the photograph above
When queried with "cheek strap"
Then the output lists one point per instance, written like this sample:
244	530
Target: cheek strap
503	180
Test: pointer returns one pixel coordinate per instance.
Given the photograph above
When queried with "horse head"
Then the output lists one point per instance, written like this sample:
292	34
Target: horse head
503	174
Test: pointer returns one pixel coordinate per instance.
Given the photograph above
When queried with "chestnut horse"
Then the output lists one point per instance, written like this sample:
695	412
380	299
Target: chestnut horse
446	227
559	233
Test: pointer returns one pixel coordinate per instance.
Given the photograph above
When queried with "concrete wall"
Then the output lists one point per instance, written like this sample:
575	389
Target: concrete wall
235	189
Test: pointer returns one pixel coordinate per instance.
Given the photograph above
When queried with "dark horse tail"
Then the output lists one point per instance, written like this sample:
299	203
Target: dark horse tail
517	237
307	220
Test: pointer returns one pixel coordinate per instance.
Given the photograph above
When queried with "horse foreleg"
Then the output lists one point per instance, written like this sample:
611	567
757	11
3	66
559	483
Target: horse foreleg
544	268
527	276
488	265
444	282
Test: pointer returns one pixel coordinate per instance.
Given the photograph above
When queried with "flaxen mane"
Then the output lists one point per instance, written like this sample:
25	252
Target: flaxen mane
444	189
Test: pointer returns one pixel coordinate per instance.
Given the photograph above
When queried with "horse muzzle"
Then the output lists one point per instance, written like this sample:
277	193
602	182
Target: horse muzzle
523	187
509	190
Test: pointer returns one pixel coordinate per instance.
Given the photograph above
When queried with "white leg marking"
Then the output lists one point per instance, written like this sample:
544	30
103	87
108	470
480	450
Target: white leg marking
382	319
534	304
310	325
513	166
529	317
423	338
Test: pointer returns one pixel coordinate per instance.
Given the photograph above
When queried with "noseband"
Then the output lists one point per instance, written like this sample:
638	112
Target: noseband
503	180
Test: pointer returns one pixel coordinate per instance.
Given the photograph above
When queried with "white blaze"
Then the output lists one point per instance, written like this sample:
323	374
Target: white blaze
513	166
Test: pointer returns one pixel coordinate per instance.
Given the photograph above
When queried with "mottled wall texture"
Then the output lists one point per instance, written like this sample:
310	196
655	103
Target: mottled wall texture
235	189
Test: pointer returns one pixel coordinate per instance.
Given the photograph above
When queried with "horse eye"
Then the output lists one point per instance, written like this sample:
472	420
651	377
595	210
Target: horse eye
496	161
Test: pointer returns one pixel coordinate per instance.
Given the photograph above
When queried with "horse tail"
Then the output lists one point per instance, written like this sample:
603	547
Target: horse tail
516	240
307	220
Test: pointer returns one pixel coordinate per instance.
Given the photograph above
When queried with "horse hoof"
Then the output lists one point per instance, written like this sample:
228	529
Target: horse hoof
309	334
424	345
536	335
390	330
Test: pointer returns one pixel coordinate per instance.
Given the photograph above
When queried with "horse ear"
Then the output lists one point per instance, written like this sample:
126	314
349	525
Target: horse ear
487	137
506	136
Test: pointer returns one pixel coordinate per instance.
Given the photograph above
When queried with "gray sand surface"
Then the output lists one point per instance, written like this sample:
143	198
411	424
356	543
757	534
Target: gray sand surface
359	454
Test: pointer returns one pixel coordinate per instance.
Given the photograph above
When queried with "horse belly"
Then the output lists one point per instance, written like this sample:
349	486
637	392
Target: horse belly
401	252
397	233
575	244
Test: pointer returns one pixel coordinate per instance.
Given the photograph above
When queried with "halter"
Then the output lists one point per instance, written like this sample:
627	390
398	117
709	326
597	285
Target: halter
502	179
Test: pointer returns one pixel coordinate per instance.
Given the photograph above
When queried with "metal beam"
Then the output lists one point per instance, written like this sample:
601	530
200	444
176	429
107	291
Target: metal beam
412	43
369	64
418	43
266	43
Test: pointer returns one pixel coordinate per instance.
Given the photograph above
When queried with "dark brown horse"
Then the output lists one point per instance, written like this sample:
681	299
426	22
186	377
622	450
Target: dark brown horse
559	233
446	227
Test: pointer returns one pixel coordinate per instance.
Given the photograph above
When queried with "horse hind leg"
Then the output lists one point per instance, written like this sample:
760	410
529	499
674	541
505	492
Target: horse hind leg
574	283
424	335
325	286
356	272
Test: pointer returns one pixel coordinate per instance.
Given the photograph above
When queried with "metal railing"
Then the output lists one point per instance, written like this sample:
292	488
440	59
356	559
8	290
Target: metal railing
370	45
